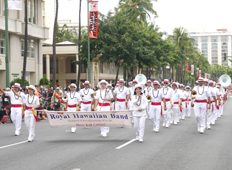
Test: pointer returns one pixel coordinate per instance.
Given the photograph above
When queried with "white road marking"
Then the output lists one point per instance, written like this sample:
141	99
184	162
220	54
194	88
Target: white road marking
2	147
121	146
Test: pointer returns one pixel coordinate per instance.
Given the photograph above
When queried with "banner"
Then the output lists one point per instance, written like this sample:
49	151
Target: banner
207	75
15	4
192	69
199	73
93	19
89	119
186	66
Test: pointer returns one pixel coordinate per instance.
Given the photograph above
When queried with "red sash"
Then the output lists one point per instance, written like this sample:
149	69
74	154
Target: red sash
156	104
16	105
34	113
87	102
167	100
72	106
121	100
201	101
104	104
176	102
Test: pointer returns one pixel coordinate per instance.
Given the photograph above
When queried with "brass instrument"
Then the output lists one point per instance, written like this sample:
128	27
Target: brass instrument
148	97
94	94
193	93
225	80
65	98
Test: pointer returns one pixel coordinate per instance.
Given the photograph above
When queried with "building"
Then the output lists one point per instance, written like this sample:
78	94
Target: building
72	26
66	70
37	32
214	45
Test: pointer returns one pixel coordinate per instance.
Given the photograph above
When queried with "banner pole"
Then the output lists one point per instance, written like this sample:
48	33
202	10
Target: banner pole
7	44
89	69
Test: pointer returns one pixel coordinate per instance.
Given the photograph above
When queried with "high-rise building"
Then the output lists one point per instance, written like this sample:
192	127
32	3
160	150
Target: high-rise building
214	45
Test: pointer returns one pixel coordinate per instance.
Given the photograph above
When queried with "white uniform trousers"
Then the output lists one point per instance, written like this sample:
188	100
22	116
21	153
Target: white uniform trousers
120	106
200	113
155	114
214	113
86	107
167	114
72	109
30	124
104	130
184	110
148	108
221	113
131	108
139	125
16	117
175	113
208	116
189	109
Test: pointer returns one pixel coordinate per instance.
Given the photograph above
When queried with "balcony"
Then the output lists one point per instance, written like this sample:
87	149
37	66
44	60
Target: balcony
18	27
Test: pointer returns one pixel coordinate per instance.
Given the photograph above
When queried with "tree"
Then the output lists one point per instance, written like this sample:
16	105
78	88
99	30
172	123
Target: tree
54	47
25	45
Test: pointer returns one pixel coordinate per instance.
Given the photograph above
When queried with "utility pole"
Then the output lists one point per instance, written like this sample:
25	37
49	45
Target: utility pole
89	69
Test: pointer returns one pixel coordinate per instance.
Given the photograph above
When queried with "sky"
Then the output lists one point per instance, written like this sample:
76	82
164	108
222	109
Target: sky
194	15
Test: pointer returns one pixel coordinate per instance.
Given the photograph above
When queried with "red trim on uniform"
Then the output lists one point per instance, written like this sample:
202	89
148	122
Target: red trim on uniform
87	102
156	104
176	103
121	100
201	101
167	100
28	108
72	106
104	104
183	100
16	105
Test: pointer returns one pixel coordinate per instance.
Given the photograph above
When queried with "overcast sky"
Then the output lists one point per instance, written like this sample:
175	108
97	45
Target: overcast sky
207	15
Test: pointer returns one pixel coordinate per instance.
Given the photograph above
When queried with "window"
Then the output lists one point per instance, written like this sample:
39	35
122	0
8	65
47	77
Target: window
82	68
1	7
224	40
204	51
214	51
223	51
214	54
30	48
32	13
213	38
224	36
213	44
204	40
214	47
73	66
2	43
224	43
204	47
206	54
204	44
51	66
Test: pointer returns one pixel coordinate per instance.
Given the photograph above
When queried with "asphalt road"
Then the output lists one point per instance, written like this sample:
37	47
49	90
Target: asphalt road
179	147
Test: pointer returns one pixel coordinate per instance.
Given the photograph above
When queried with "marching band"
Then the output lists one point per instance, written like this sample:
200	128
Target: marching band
172	102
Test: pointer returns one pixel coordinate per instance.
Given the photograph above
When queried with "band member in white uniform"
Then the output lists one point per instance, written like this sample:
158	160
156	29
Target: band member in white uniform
32	103
157	98
139	115
176	104
221	100
188	111
147	91
122	94
102	100
131	106
200	104
183	101
213	100
168	94
86	96
16	107
209	111
73	100
112	104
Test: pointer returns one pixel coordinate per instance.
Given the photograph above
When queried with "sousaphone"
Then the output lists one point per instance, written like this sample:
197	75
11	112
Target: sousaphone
225	80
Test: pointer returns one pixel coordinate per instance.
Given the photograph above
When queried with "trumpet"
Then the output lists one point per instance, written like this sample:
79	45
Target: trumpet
148	97
194	93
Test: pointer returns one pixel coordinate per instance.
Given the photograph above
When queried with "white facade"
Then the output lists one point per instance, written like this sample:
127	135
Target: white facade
72	26
37	32
213	45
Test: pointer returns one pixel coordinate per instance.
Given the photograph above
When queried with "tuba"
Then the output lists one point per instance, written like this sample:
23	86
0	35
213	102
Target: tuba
225	80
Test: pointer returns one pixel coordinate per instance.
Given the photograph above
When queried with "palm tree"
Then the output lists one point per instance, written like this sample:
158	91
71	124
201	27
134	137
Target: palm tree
25	45
137	9
54	47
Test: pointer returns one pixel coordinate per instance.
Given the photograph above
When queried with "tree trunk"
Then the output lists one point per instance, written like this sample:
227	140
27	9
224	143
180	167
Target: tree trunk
173	73
181	73
147	72
79	38
54	48
25	46
117	75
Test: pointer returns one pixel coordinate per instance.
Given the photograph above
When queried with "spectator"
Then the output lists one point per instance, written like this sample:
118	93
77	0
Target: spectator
2	113
6	102
56	99
43	92
50	94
